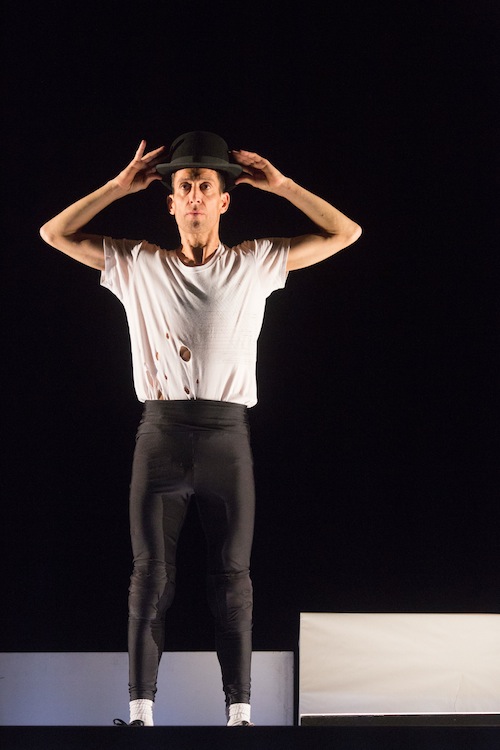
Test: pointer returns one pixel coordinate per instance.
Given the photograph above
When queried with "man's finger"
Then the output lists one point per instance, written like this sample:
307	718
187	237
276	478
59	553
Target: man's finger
140	151
152	154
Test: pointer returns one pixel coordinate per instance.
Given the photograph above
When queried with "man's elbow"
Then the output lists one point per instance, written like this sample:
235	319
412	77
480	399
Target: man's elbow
46	235
356	233
51	237
353	234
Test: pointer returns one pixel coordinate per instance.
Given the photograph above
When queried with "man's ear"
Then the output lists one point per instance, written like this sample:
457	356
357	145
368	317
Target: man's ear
170	204
226	200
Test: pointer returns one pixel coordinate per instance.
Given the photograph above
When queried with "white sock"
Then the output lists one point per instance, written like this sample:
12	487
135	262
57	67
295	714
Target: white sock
142	709
237	713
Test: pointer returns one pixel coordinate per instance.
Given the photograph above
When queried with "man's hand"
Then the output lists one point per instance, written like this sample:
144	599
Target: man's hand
258	172
141	171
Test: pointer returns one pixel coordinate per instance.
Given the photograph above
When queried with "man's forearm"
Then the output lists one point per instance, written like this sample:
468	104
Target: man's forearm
64	231
73	218
328	218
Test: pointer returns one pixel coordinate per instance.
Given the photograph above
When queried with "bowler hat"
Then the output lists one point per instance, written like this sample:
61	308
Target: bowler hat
202	150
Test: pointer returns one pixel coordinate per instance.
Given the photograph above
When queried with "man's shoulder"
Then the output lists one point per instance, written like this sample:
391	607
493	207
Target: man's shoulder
251	246
247	246
261	246
134	248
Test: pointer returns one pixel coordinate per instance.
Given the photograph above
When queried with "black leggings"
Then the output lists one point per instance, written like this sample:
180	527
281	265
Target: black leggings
192	450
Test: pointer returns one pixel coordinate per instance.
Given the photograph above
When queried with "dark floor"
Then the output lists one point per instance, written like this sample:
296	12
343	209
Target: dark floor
256	738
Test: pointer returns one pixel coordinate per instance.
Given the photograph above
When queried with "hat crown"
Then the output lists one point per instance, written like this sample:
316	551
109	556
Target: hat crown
200	149
198	146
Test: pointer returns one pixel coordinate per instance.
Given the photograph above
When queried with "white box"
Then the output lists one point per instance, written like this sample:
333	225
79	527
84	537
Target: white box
399	664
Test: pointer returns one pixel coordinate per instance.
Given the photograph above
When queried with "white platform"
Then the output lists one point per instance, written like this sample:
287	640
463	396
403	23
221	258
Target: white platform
67	689
382	664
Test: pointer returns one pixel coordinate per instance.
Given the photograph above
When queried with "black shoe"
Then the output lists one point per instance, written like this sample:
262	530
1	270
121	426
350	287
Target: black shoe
121	723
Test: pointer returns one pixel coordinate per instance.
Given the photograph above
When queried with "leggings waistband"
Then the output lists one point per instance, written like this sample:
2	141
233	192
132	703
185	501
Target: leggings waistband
196	414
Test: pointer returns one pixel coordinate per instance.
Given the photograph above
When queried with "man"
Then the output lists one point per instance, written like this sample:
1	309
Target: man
194	315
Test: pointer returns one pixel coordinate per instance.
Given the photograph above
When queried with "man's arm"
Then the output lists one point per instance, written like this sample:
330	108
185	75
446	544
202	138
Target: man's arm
64	230
337	231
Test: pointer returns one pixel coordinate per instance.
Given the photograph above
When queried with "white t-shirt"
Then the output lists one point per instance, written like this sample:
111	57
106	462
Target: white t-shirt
194	329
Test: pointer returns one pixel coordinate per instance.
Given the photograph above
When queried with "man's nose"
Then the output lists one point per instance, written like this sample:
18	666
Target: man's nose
195	194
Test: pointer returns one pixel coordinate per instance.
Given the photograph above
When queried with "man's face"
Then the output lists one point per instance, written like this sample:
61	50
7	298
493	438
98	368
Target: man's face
197	201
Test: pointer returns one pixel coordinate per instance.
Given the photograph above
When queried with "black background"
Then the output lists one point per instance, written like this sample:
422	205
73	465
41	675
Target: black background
376	433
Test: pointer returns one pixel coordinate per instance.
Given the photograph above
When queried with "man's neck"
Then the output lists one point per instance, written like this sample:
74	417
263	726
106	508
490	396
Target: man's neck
196	250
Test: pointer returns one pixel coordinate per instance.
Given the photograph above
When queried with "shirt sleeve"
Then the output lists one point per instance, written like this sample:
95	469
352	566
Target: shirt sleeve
119	259
271	257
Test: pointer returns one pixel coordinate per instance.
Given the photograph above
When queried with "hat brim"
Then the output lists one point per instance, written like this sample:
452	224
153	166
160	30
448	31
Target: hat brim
230	171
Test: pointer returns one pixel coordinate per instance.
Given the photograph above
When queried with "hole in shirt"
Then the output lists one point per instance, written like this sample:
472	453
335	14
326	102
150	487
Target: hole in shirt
187	390
185	353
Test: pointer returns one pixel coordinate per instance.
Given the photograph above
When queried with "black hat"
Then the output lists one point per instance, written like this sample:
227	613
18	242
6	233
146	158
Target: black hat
203	150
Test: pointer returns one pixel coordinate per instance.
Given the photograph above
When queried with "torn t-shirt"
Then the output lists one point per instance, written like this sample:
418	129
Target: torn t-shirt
194	329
